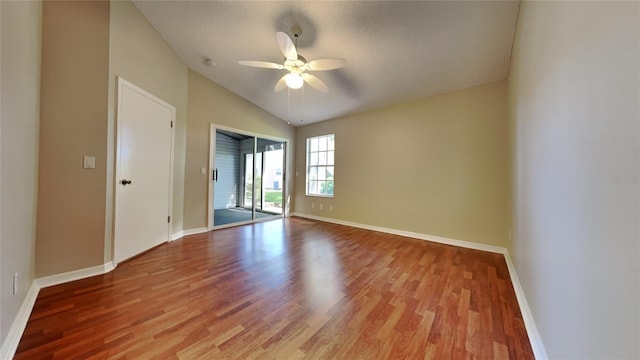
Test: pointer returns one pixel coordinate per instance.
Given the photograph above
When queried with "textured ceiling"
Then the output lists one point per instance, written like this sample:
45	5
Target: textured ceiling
396	51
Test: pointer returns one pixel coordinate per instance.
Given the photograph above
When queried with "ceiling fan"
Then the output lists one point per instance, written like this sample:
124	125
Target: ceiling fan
297	66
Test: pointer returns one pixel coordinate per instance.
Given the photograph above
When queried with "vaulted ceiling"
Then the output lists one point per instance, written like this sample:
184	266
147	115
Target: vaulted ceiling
396	51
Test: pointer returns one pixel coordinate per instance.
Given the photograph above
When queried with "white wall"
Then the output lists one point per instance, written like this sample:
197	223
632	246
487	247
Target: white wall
20	74
574	110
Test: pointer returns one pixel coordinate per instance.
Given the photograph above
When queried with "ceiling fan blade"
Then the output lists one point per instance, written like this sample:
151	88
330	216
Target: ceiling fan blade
281	84
286	46
262	64
326	64
315	82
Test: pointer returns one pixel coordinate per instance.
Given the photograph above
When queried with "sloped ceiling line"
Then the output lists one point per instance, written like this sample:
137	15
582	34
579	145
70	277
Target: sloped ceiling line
397	51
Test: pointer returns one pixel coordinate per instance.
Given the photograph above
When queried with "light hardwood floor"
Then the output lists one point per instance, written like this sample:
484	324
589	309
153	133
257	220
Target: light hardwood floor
288	288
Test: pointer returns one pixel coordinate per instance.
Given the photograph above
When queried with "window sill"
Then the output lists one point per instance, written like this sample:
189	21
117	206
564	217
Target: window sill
319	195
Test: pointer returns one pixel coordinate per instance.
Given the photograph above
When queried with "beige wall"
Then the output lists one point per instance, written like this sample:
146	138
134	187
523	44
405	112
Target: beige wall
110	40
435	166
20	73
210	103
138	54
73	123
574	106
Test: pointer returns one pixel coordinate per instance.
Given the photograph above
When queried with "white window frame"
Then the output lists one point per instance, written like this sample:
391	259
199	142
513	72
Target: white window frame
323	160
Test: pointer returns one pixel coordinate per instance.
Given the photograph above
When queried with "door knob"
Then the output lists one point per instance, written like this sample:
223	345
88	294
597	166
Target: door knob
125	182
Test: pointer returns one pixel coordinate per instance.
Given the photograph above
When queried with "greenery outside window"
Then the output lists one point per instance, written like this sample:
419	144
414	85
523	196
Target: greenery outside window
320	165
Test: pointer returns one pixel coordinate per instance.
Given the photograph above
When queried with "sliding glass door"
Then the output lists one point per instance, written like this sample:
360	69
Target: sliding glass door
271	185
247	179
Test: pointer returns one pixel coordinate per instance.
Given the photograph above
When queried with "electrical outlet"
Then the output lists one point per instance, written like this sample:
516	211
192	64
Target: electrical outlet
313	205
321	206
89	162
15	283
330	207
509	235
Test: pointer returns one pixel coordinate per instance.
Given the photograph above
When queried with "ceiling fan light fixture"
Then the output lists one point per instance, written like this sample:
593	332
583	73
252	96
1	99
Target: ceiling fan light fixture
294	80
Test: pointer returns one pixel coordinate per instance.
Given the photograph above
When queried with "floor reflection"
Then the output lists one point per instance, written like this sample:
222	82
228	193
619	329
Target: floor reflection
274	258
261	242
322	273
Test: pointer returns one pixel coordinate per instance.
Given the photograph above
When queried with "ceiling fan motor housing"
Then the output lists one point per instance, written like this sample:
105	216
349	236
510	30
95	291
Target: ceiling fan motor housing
298	65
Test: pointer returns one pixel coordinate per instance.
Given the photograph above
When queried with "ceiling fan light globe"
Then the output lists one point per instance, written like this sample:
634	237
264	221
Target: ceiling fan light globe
294	81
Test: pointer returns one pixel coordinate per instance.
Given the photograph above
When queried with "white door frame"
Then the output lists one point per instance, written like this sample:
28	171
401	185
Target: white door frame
121	84
212	165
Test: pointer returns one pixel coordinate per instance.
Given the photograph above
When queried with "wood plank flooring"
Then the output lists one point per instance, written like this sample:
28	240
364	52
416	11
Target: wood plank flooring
286	289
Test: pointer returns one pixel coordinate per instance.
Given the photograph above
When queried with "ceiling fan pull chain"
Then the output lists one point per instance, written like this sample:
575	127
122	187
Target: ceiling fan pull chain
289	102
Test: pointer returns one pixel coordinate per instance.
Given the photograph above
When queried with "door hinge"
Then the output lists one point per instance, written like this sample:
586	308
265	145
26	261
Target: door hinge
172	124
168	219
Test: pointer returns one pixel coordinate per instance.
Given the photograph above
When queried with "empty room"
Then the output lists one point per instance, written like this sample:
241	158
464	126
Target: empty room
319	179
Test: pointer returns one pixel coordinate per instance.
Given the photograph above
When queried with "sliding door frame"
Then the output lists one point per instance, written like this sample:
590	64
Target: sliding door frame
212	166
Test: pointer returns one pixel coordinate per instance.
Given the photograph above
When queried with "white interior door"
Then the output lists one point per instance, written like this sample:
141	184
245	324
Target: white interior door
143	171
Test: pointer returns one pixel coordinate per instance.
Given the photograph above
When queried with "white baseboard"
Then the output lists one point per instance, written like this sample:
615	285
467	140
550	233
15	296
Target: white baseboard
195	231
183	233
438	239
10	344
527	316
177	235
74	275
532	330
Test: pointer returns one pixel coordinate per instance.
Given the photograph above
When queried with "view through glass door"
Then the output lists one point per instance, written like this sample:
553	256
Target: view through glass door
248	178
271	163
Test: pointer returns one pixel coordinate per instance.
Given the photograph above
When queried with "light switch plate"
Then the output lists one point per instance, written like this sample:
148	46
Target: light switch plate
89	162
203	171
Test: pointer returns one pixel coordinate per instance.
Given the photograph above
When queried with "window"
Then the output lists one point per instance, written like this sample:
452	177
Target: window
320	165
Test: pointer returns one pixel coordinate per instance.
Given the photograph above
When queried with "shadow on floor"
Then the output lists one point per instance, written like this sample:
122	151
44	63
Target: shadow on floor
234	215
